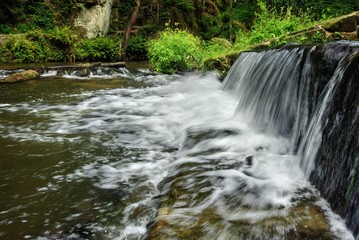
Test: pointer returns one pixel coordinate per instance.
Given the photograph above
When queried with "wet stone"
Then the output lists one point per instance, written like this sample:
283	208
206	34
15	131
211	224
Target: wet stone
304	220
196	135
249	160
21	76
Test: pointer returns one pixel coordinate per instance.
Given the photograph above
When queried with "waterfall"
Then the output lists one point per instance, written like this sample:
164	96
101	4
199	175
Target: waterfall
309	95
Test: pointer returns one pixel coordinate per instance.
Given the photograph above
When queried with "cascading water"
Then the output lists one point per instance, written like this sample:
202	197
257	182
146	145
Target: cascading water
243	179
120	155
290	92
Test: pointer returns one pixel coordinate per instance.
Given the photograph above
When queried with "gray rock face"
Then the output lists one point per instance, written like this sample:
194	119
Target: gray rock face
95	19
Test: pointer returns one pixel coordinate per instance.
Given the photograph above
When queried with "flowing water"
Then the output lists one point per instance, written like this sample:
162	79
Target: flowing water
110	155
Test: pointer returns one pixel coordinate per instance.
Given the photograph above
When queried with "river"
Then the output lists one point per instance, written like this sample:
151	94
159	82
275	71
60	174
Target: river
88	158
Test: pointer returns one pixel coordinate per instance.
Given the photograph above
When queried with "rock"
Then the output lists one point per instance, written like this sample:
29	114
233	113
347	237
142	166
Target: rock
84	72
347	23
95	19
249	160
21	76
221	64
305	219
90	2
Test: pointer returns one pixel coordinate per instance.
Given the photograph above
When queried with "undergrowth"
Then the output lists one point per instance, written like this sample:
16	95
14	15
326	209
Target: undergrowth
178	50
174	50
270	24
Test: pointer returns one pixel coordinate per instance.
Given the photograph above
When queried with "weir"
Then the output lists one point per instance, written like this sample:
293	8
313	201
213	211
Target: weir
295	119
310	95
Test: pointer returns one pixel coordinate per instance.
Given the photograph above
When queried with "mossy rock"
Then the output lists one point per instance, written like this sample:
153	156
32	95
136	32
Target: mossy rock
347	23
221	64
186	210
222	41
304	220
21	76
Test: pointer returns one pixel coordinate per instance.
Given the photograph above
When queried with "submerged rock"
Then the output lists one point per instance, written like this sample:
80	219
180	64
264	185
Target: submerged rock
21	76
184	214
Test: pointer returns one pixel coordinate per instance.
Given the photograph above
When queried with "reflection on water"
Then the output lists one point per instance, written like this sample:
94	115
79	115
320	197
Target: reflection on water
86	158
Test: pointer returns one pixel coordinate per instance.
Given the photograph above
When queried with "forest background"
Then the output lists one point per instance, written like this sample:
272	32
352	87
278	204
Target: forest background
174	35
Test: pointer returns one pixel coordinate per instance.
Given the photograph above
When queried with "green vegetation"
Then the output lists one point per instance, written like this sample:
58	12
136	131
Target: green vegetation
98	49
174	50
21	16
269	24
137	47
58	44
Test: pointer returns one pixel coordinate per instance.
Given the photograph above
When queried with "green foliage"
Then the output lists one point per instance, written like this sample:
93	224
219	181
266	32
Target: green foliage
317	37
22	50
97	49
269	24
137	47
40	16
5	29
50	49
26	15
59	44
174	50
183	5
319	9
64	36
41	46
215	47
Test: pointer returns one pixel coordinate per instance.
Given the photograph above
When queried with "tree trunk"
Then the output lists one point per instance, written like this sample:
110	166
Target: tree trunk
130	24
230	19
158	12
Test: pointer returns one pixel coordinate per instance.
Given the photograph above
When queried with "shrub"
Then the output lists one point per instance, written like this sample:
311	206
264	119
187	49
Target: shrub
21	50
215	47
97	49
269	24
174	50
137	47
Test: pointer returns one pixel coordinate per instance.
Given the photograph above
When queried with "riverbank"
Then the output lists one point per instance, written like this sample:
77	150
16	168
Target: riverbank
66	44
342	28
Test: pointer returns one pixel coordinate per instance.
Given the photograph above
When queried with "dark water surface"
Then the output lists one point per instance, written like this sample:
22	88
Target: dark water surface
52	131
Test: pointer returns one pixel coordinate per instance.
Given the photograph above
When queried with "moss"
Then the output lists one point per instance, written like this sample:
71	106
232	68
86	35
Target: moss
21	76
346	23
221	64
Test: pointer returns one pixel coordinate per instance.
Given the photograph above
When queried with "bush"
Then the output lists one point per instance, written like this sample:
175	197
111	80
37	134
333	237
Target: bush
21	50
174	50
97	49
216	47
269	24
137	47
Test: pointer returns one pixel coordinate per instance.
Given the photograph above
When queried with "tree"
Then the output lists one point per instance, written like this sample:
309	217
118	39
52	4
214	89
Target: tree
130	24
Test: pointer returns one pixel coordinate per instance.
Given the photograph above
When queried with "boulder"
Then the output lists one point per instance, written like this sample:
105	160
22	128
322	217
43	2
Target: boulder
90	2
21	76
346	23
95	19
